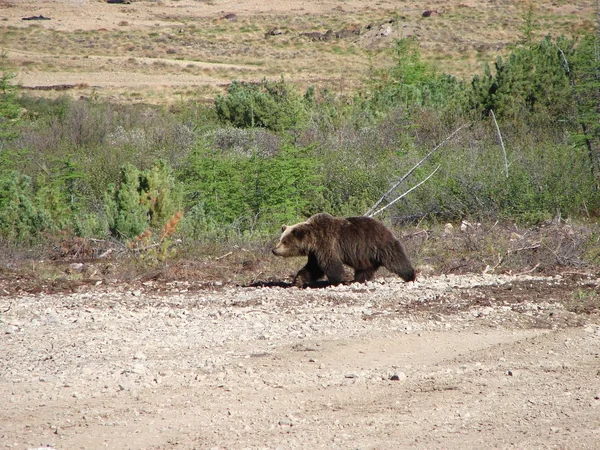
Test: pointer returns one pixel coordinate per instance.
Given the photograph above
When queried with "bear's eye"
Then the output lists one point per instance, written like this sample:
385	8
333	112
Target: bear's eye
299	234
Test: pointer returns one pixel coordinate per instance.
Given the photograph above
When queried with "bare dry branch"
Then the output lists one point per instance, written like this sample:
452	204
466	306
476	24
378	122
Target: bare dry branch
525	272
370	213
531	247
223	256
106	253
501	141
508	252
417	233
491	269
40	166
403	195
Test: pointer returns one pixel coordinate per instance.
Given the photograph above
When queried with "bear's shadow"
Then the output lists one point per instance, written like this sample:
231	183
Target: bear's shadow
284	284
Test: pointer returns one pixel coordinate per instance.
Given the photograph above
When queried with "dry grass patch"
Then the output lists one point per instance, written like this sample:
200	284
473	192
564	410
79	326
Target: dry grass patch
460	40
493	248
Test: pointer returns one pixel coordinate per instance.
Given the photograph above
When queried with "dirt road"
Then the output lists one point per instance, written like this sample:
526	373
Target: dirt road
447	362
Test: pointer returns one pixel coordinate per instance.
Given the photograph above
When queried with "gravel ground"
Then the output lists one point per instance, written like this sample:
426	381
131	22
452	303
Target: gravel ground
452	362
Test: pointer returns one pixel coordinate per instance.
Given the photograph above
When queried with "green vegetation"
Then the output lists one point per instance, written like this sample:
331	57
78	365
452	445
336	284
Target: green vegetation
265	154
9	106
272	105
142	200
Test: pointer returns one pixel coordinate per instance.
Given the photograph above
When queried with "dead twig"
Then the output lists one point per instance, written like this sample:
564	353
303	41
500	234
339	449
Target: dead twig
420	220
114	242
7	309
583	274
223	256
531	247
525	272
41	167
493	226
453	268
508	252
491	269
106	253
417	233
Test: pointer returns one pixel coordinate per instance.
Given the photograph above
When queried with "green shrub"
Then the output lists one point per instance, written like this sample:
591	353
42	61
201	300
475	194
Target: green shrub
144	199
196	226
87	167
10	110
253	191
21	219
410	83
583	69
99	138
269	104
531	81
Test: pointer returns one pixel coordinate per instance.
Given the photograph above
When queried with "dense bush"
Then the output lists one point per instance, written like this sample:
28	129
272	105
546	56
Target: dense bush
531	82
410	84
270	104
21	219
142	200
245	190
583	70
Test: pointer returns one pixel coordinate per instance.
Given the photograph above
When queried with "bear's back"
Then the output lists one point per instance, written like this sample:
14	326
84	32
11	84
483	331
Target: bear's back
368	224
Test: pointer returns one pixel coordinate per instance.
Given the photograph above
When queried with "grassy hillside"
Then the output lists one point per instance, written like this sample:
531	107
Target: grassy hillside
160	52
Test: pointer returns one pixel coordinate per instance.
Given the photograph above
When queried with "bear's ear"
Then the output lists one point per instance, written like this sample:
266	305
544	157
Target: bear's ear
299	233
283	228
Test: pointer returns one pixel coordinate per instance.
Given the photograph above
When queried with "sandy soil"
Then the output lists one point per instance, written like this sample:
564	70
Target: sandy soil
452	362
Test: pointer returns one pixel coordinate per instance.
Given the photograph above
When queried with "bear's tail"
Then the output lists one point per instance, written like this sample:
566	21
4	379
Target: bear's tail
395	260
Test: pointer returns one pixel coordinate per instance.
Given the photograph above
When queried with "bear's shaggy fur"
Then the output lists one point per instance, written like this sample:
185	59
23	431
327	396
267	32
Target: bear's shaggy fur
363	243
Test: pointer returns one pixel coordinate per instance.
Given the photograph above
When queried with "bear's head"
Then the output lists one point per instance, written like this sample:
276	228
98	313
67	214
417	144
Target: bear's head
293	240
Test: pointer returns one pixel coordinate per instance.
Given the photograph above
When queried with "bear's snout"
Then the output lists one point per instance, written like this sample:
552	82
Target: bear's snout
285	251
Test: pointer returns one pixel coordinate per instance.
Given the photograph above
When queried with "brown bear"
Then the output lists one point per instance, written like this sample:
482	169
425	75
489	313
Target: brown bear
363	243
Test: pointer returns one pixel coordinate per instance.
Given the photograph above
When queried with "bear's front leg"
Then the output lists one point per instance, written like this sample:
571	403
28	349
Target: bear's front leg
362	276
334	271
310	273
